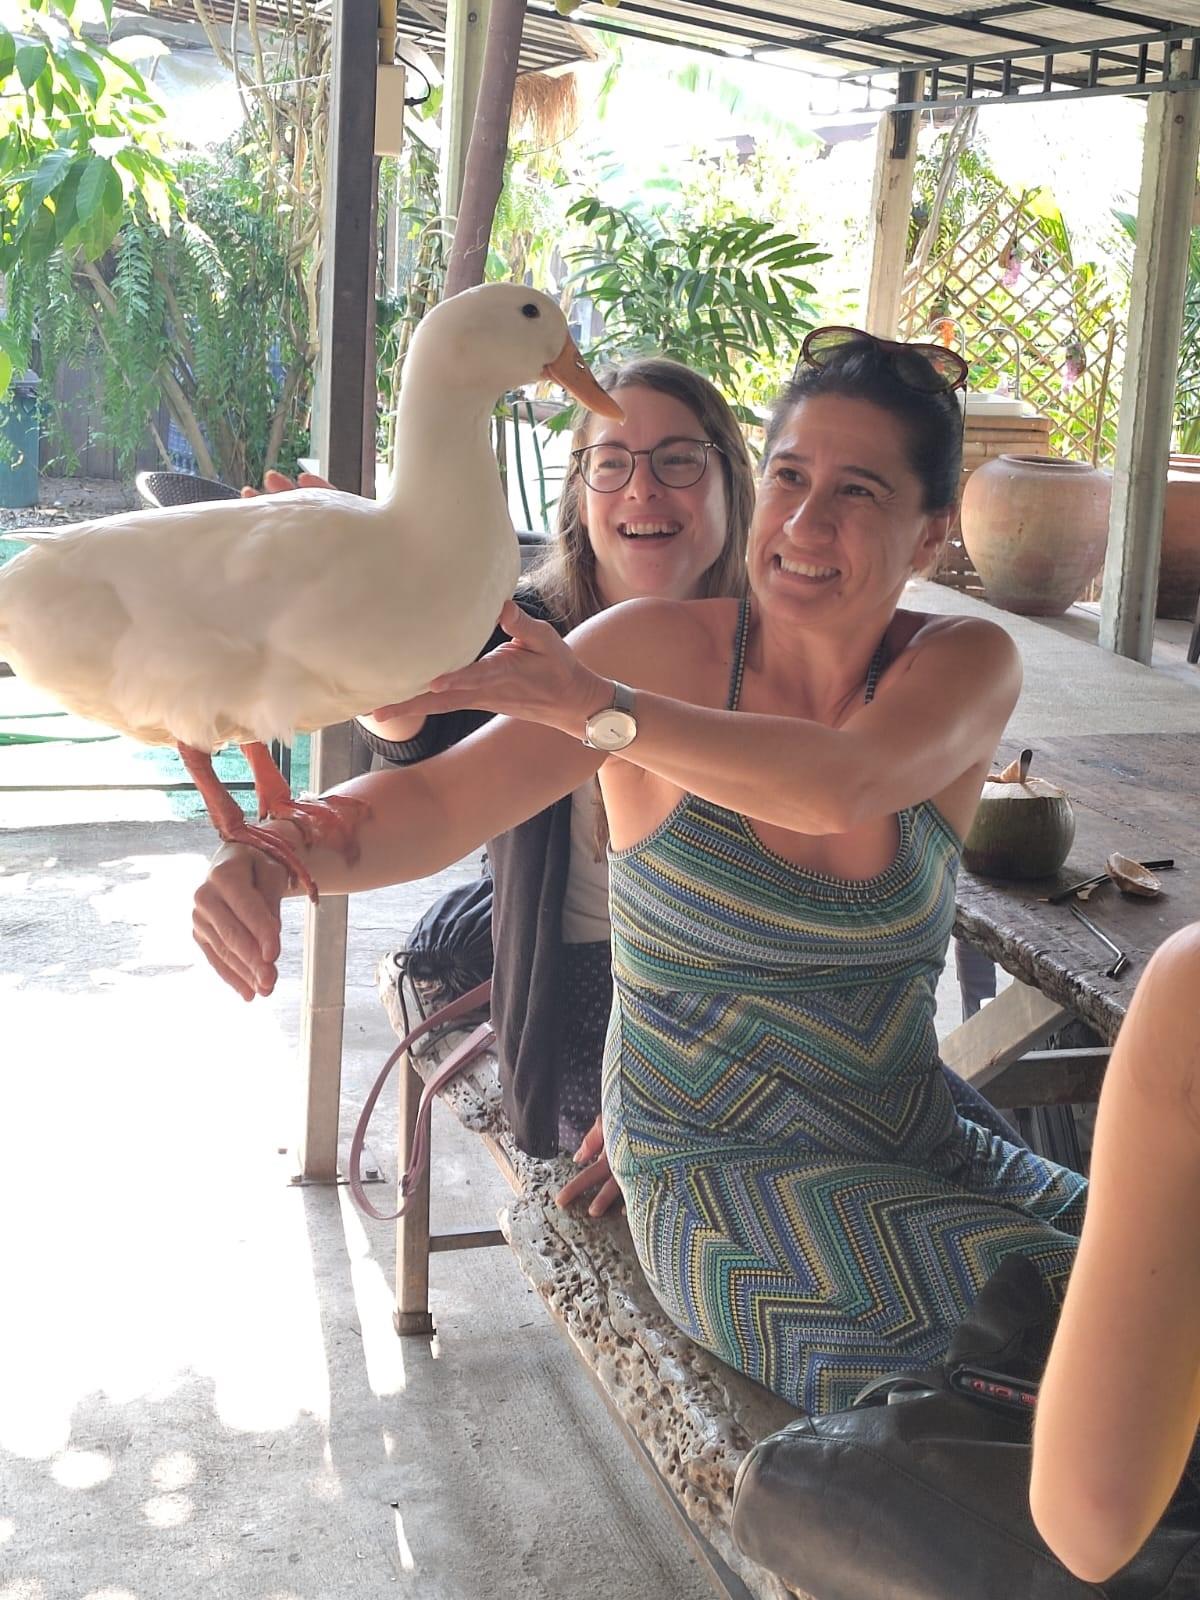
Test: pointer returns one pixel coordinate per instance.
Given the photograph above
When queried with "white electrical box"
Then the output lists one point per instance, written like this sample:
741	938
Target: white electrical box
389	111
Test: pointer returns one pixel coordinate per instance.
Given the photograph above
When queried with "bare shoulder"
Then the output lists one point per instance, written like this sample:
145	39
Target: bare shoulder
1173	975
981	650
922	630
670	647
1159	1043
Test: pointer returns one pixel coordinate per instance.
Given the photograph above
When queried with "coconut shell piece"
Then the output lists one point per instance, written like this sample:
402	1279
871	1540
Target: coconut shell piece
1131	877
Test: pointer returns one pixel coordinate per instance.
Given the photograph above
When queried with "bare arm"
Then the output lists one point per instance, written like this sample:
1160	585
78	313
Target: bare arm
939	713
1120	1404
419	819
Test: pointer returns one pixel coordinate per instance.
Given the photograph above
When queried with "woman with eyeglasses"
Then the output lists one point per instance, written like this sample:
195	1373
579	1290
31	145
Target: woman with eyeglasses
787	781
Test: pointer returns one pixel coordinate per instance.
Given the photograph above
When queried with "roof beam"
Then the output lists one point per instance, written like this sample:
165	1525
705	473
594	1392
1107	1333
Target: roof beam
891	209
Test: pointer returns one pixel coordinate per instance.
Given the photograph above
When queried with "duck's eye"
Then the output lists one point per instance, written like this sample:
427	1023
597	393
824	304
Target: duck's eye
530	310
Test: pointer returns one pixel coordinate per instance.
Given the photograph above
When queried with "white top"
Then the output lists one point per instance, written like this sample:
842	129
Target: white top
585	904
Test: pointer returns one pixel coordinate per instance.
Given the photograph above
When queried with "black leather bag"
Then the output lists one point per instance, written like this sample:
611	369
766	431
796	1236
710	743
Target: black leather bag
920	1490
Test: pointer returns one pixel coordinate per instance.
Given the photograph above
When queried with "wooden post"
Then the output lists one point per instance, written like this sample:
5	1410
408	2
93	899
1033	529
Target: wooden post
466	32
411	1315
1160	264
346	449
891	208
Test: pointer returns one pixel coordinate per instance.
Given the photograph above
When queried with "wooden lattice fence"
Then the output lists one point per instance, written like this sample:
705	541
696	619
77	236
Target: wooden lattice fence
1007	282
1008	268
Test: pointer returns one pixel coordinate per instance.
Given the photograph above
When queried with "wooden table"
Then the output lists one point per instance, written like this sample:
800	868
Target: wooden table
1137	793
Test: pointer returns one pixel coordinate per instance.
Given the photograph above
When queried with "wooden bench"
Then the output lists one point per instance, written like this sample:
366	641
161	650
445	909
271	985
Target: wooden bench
688	1417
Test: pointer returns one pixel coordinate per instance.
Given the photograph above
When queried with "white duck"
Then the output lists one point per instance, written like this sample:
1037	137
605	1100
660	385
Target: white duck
243	621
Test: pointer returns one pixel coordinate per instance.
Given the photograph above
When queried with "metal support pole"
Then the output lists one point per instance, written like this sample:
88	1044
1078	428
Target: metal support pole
891	208
466	34
1160	266
346	449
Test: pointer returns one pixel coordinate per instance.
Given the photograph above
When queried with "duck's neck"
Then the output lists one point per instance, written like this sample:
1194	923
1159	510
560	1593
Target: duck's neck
443	443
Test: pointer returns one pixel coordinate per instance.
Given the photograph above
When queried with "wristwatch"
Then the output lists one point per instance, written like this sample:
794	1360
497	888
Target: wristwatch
614	728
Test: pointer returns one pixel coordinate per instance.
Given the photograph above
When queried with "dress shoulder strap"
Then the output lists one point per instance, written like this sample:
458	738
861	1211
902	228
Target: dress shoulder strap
739	655
873	671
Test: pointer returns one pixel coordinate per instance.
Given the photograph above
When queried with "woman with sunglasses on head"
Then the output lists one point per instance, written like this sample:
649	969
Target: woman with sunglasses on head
787	782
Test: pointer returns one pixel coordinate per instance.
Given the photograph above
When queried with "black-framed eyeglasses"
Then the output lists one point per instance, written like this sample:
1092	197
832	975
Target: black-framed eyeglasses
676	463
927	368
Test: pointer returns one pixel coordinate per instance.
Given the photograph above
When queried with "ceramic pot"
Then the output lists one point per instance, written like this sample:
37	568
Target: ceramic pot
1179	567
1035	528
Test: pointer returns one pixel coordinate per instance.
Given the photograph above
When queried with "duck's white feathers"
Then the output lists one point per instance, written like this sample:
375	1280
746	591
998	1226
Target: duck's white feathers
253	619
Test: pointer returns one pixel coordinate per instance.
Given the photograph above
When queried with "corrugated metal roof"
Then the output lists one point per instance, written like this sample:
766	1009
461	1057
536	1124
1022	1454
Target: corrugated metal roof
968	50
984	49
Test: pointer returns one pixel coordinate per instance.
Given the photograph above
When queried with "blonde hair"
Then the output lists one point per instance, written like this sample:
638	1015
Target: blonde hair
566	578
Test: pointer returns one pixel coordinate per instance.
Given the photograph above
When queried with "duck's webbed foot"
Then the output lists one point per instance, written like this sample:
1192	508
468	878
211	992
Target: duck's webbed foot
332	820
229	821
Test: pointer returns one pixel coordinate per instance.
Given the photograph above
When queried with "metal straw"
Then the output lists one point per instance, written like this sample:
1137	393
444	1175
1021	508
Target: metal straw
1122	961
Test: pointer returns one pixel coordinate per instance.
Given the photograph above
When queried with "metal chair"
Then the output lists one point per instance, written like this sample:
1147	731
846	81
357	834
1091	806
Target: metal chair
188	489
180	488
1194	641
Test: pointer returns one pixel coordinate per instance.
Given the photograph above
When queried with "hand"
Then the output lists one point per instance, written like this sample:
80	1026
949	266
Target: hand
596	1175
236	921
279	482
535	677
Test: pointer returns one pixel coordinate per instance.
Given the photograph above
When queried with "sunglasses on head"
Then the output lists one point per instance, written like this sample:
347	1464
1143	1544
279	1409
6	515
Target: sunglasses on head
927	368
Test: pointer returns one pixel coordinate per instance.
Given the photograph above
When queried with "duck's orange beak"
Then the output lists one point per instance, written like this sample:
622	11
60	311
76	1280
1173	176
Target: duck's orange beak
572	371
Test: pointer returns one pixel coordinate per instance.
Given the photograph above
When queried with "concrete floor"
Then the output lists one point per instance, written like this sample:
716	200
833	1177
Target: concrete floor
200	1390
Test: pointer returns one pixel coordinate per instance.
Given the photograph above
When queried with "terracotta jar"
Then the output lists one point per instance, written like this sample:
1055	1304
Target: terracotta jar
1179	567
1035	528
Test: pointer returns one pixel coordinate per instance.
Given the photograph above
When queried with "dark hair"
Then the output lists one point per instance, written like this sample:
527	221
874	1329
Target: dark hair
566	579
933	423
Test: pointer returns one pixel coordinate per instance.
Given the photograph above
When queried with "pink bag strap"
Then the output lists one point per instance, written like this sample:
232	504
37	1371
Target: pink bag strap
459	1058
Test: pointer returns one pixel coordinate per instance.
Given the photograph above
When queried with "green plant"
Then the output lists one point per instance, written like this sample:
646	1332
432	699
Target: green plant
196	284
725	298
207	314
79	157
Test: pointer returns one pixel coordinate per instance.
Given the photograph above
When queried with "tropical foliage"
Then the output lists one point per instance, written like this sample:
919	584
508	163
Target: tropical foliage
197	284
79	154
726	298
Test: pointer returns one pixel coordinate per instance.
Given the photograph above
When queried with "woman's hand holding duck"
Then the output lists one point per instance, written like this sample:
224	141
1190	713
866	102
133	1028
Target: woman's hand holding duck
535	678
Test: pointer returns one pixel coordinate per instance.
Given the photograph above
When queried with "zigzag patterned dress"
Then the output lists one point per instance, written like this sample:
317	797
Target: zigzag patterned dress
803	1197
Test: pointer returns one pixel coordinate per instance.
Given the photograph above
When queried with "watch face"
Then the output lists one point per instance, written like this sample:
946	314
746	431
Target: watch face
611	730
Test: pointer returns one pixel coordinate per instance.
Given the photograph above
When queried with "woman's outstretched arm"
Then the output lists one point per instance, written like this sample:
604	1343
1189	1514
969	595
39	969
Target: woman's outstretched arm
416	821
939	713
1120	1403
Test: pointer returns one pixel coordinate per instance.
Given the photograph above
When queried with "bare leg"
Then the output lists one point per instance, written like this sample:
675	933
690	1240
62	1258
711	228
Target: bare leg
332	820
232	826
